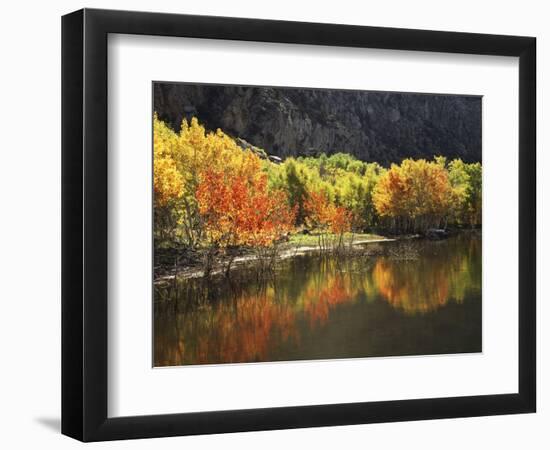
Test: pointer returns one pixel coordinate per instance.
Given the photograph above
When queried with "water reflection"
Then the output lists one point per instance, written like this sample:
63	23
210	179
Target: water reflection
429	282
326	308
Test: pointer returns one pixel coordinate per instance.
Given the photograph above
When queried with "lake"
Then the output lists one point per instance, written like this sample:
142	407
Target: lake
415	298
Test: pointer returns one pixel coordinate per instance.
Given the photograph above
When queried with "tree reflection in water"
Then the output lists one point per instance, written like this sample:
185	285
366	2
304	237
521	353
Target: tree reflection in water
288	317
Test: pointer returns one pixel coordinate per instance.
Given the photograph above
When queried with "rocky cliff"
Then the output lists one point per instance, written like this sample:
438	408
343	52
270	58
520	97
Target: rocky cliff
374	126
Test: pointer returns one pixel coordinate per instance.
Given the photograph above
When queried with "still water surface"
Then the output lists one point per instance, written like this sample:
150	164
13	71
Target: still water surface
323	308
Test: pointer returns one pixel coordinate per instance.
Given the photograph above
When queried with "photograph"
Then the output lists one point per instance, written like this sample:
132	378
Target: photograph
266	225
298	223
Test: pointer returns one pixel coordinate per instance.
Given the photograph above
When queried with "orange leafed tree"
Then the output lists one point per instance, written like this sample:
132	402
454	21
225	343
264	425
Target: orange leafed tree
240	210
325	215
415	195
340	221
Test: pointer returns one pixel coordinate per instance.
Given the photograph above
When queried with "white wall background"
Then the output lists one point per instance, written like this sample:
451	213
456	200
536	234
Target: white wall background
30	192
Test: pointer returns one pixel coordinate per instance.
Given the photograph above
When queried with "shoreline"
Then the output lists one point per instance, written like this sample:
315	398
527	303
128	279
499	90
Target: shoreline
285	253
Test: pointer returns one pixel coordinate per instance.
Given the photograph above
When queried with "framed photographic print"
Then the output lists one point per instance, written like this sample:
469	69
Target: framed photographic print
273	224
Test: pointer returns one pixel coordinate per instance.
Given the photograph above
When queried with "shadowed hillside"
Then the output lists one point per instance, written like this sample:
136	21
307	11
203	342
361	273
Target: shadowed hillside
373	126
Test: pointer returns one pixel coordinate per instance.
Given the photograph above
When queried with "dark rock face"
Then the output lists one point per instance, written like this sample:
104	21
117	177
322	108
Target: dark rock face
374	126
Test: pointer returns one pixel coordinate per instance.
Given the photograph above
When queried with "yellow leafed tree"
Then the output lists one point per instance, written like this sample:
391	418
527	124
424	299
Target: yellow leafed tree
181	160
415	195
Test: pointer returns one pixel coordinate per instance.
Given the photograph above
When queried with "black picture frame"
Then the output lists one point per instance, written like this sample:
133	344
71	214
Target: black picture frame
84	224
